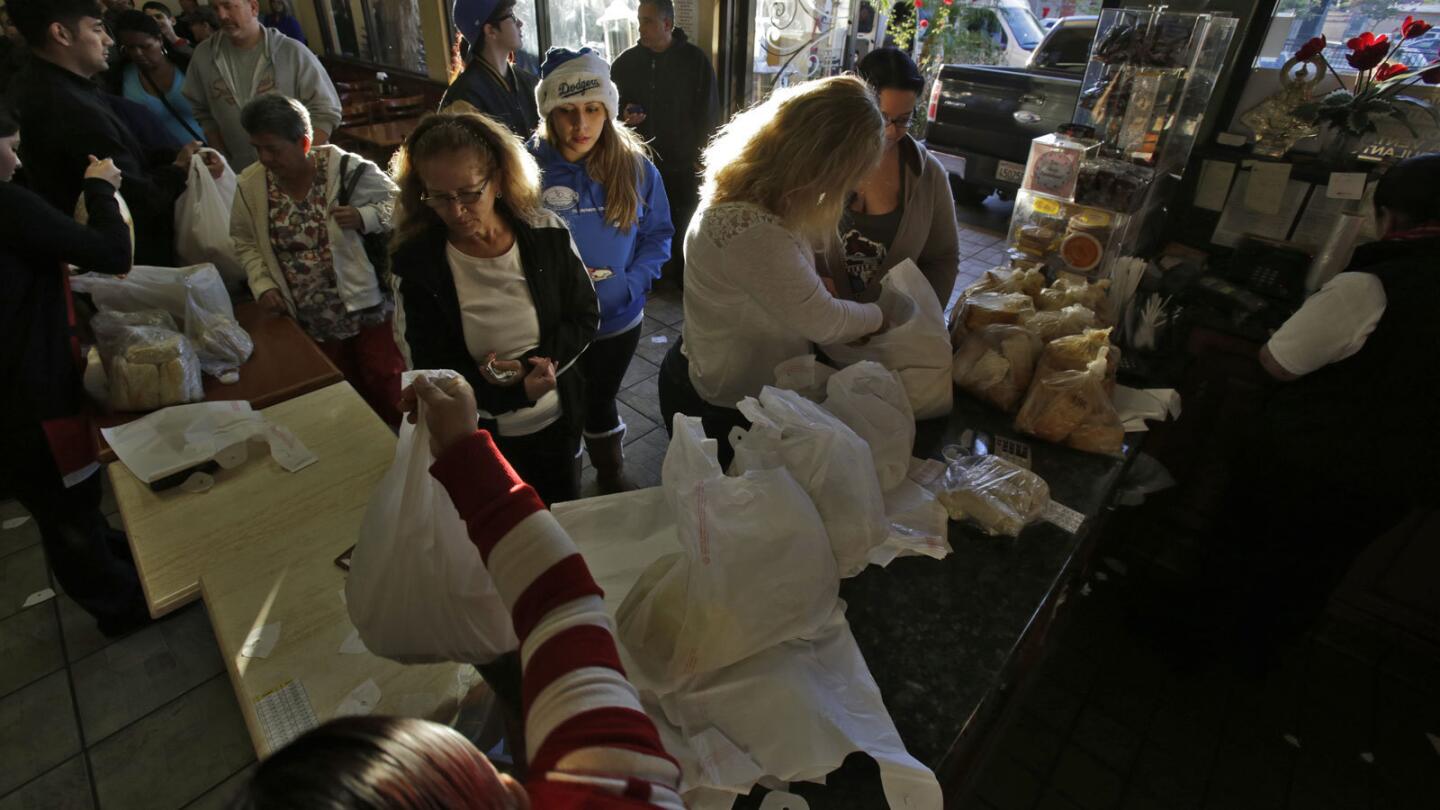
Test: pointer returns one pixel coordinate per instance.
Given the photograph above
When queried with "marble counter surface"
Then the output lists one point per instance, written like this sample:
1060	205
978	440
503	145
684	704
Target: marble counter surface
938	635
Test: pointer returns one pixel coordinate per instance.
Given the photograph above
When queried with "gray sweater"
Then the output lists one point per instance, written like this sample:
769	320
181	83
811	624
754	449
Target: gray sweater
285	66
927	234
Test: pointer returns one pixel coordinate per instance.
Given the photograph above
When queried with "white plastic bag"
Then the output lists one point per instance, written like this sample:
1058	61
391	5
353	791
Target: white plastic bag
194	296
202	220
871	400
916	344
804	375
794	712
418	591
755	570
830	462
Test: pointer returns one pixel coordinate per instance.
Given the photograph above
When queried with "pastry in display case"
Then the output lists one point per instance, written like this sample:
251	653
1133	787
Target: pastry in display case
1064	236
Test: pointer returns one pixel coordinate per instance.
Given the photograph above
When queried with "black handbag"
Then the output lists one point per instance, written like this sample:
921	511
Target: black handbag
377	245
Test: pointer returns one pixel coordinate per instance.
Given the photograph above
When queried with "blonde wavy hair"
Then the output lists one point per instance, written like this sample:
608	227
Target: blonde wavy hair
799	153
615	162
502	158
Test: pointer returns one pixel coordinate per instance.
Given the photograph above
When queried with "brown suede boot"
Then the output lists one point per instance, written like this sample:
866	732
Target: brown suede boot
607	456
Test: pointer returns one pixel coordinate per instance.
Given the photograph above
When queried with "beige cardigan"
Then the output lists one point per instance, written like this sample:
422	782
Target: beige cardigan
355	276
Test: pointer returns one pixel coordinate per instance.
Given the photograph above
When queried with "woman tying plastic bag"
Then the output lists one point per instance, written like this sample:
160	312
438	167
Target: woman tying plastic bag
297	223
489	285
776	178
599	181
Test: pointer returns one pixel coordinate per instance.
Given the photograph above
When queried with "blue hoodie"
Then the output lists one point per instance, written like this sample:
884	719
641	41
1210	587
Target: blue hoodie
633	257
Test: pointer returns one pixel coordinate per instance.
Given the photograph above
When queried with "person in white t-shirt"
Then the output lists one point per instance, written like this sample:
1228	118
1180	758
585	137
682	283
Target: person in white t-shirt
1346	445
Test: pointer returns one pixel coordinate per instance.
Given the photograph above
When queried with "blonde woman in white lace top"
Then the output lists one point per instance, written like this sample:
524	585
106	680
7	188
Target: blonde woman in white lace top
776	178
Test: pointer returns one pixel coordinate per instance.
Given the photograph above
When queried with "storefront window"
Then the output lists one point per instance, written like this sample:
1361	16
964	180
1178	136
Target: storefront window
797	40
1296	21
396	40
606	27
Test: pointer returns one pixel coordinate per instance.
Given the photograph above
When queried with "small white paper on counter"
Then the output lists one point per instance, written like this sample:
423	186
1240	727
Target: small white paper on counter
1266	189
43	595
1135	405
1214	184
284	714
919	525
287	450
15	523
261	641
1346	186
362	700
1063	516
353	645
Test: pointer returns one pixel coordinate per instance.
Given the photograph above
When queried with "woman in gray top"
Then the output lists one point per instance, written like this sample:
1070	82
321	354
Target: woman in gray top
903	208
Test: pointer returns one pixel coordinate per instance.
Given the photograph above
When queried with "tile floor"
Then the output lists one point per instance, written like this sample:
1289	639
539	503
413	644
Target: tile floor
150	721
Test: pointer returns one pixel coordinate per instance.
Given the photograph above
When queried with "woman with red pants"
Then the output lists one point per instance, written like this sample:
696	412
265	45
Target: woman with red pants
297	223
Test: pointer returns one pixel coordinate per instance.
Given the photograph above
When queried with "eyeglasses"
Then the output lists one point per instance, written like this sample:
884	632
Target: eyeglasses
902	121
510	16
464	198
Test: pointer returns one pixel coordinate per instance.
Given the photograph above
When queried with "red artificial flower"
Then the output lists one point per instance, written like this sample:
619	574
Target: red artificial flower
1389	69
948	2
1368	50
1413	27
924	23
1311	49
919	3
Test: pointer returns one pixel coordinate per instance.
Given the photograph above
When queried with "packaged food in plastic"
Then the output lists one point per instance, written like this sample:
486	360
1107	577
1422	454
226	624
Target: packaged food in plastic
999	496
1066	291
1073	408
996	362
1076	352
984	309
1071	320
1027	280
151	367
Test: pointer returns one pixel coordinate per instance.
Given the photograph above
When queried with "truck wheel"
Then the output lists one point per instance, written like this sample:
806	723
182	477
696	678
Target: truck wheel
968	194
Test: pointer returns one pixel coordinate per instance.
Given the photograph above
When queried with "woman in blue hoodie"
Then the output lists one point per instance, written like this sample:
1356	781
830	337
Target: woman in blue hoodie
598	179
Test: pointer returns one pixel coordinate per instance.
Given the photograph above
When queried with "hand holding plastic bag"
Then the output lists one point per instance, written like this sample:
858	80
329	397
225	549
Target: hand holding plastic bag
418	591
916	344
202	219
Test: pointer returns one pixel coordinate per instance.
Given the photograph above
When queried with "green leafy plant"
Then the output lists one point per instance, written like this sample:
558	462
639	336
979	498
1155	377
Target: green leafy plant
1378	85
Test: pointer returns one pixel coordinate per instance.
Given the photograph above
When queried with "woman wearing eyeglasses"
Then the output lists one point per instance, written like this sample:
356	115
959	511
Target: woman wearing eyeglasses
297	223
489	285
901	210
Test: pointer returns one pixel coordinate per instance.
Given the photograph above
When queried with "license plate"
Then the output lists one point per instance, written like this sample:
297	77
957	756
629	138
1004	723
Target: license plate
954	164
1010	172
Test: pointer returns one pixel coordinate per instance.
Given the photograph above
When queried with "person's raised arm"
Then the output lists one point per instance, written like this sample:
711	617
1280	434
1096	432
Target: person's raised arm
102	245
583	720
780	278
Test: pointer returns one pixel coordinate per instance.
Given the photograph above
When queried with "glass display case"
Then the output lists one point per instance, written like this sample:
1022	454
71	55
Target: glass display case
1089	189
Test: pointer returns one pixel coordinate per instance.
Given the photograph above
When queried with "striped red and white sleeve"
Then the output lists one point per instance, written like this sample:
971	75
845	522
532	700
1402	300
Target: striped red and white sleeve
589	741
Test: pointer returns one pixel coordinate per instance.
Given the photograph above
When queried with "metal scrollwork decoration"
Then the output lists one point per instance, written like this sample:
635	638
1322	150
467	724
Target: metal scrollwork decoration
793	29
1277	128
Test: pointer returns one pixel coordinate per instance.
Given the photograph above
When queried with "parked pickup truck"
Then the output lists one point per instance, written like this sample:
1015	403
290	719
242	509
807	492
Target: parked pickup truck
981	119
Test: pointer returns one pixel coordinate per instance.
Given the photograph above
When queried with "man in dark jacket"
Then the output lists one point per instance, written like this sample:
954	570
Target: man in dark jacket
66	120
490	83
668	93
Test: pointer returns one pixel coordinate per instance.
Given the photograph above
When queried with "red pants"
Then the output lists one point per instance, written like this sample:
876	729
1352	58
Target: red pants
372	363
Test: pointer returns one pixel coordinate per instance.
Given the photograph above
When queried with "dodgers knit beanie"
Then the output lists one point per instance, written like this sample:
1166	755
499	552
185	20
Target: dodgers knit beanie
575	77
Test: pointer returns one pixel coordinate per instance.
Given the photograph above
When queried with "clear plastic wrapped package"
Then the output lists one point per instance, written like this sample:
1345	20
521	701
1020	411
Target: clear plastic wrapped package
1072	320
996	362
986	308
999	496
149	364
1073	408
1077	352
1027	280
1066	291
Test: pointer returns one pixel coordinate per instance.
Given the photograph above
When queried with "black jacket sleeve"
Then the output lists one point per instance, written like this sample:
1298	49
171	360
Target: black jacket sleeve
433	347
102	246
579	315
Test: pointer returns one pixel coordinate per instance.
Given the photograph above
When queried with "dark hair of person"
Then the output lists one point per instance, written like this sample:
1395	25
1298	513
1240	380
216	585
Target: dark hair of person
158	6
1411	188
34	17
890	69
274	114
206	15
8	124
665	7
374	762
139	22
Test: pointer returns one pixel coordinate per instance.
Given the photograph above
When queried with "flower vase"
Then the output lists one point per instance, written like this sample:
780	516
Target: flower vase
1337	148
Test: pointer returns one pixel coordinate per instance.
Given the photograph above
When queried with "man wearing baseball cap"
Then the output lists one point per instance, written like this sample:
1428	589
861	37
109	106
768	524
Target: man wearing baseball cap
489	83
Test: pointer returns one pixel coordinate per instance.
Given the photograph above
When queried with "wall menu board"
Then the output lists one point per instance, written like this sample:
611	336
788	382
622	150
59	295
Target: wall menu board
687	16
